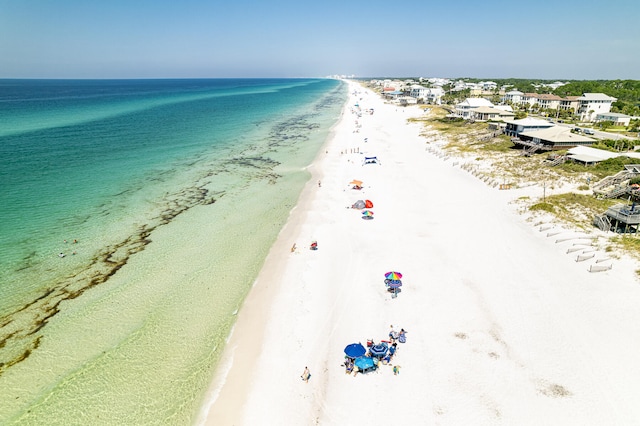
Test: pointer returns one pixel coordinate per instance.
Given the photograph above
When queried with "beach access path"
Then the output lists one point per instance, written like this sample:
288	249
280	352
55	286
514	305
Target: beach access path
503	326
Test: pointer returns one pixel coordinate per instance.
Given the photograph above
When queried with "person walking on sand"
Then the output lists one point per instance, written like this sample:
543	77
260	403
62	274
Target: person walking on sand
396	370
306	375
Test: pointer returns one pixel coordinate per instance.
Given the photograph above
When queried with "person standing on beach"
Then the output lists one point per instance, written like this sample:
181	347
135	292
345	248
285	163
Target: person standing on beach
306	374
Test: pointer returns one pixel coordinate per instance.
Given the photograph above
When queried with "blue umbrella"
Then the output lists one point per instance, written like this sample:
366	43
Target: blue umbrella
364	363
354	350
379	350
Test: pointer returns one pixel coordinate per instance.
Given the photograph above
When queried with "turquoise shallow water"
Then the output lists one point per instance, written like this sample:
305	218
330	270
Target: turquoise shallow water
174	191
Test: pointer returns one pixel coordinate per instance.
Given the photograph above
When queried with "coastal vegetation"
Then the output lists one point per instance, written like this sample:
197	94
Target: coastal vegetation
627	92
492	157
574	208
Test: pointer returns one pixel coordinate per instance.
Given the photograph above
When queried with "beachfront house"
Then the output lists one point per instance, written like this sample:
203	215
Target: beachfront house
406	100
484	113
464	108
515	127
592	104
590	156
552	138
419	92
434	95
616	118
392	94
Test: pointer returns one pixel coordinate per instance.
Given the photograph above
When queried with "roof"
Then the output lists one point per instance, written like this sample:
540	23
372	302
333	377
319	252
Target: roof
557	134
476	102
596	97
493	110
549	96
504	107
487	110
530	122
588	155
614	114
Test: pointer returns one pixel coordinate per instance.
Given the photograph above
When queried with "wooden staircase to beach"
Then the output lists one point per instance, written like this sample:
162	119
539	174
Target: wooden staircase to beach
558	160
602	222
616	185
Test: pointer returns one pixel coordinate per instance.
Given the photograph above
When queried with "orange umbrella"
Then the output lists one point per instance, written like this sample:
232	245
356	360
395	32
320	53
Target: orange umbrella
356	182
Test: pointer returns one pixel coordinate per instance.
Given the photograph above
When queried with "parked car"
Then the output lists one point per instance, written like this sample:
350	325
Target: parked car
577	129
589	132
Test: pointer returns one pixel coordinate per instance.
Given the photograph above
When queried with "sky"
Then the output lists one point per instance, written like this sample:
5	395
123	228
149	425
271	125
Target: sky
555	40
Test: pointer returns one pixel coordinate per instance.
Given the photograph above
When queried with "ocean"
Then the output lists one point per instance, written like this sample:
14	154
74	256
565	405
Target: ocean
135	217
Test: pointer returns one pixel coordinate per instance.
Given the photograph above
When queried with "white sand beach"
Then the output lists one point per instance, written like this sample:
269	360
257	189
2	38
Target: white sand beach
503	325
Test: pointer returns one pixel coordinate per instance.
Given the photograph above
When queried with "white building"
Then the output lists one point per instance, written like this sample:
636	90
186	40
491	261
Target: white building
437	81
616	118
513	96
430	95
434	96
463	109
488	85
418	92
591	104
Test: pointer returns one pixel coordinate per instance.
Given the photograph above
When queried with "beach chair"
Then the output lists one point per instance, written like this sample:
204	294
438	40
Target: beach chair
349	368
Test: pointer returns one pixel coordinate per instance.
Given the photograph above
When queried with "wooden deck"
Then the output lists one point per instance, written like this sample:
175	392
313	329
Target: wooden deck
629	215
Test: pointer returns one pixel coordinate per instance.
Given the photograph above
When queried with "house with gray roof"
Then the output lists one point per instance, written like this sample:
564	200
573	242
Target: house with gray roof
515	127
552	138
617	118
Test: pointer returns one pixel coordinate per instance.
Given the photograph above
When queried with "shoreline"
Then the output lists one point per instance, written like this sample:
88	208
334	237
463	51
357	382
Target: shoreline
503	326
221	400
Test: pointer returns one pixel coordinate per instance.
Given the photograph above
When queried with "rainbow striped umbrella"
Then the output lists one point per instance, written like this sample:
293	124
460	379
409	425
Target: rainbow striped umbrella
393	276
367	213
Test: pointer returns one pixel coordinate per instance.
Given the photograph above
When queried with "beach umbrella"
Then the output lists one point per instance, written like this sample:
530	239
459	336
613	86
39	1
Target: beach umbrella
379	350
367	213
364	363
355	350
393	276
356	182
